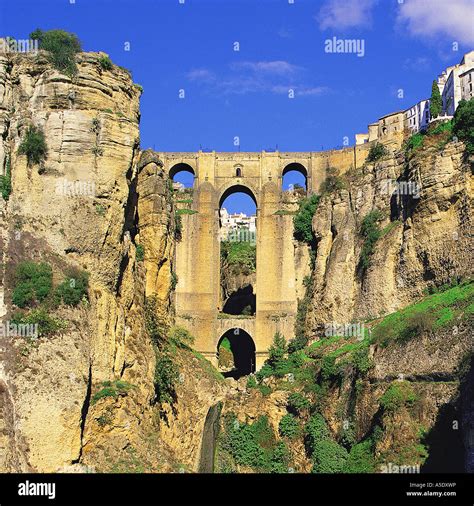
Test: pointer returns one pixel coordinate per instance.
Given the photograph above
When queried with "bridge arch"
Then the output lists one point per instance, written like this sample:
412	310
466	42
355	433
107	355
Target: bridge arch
232	188
295	167
243	350
180	168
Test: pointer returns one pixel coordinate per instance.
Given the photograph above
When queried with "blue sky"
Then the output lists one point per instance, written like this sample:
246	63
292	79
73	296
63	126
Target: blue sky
242	97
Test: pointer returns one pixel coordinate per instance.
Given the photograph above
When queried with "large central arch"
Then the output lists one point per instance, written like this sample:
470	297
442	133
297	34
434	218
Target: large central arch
237	188
243	351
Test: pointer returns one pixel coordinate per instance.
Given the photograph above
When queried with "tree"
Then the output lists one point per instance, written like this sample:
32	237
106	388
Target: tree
436	103
329	457
277	351
463	124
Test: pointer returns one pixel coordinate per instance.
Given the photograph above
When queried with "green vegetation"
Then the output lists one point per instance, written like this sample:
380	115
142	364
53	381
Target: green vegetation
140	254
329	457
6	180
113	389
100	210
73	289
303	220
180	337
436	103
33	283
185	211
371	232
414	142
47	325
432	312
463	124
333	182
139	87
105	63
166	372
315	430
298	404
289	426
174	281
360	459
33	146
178	227
239	257
62	48
376	152
251	445
397	395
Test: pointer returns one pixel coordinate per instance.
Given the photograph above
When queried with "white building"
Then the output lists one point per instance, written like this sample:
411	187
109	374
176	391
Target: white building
467	84
450	85
417	117
234	222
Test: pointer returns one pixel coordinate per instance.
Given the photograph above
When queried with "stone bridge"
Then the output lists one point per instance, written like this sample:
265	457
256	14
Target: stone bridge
197	262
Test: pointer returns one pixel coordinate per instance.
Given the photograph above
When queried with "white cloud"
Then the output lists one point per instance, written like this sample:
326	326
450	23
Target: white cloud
275	77
342	14
200	75
270	67
434	18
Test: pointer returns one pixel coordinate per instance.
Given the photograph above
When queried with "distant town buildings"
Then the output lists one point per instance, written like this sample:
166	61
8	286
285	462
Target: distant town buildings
235	223
455	83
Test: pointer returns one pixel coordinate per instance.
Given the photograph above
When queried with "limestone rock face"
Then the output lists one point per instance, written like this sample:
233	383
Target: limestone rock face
424	240
71	210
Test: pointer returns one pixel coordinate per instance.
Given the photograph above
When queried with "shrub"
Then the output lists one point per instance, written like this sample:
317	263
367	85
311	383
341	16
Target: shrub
463	124
376	152
34	282
6	181
289	426
329	457
332	182
251	382
140	254
105	63
180	336
371	232
303	219
436	103
360	459
47	325
397	395
253	445
62	48
416	324
240	257
415	141
280	458
165	378
297	403
73	289
112	389
361	360
315	430
174	280
33	146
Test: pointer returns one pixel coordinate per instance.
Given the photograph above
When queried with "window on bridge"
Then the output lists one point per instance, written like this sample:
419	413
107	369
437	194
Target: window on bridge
238	262
236	354
294	179
182	175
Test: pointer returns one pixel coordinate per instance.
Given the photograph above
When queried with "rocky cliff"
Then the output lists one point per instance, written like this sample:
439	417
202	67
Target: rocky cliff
90	395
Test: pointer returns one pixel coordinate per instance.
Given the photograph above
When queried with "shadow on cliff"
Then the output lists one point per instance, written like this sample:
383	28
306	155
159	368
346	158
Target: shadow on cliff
448	439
